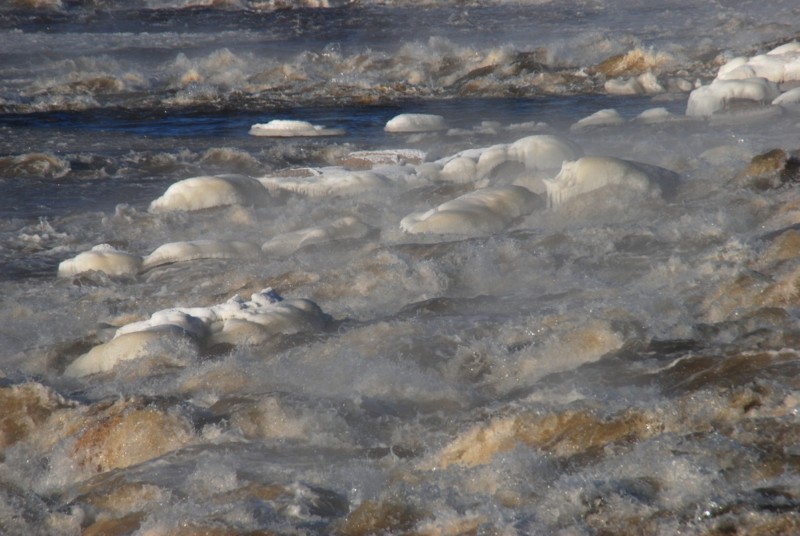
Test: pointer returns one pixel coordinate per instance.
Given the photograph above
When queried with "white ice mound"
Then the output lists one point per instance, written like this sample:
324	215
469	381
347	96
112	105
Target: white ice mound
543	151
209	191
135	345
199	249
341	229
234	322
713	98
460	169
289	128
602	118
539	152
645	83
779	65
103	258
592	173
329	181
657	115
790	99
409	123
480	212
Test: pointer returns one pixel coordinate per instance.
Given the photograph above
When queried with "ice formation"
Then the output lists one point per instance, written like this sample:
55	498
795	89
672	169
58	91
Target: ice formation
234	322
408	123
781	64
713	98
602	118
483	211
288	128
591	173
753	79
543	151
342	229
327	181
645	83
209	191
102	258
790	99
539	152
460	169
199	249
657	115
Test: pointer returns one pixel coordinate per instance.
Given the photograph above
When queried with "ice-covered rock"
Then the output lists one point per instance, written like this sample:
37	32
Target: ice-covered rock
592	173
645	83
781	64
209	191
409	123
479	212
657	115
236	321
345	228
290	128
460	169
601	118
543	151
710	99
199	249
789	99
102	258
327	182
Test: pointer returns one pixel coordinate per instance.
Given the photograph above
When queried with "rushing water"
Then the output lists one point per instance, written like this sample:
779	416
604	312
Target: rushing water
206	331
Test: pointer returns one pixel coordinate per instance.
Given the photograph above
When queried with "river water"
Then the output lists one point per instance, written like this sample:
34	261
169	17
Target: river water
552	302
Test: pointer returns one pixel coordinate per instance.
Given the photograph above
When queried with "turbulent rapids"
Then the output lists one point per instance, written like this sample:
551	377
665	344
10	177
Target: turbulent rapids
399	268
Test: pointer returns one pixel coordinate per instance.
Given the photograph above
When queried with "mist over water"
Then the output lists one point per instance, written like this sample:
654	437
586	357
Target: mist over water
399	267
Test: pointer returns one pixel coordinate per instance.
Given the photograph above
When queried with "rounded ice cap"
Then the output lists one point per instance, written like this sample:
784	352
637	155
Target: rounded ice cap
328	182
480	212
710	99
602	118
236	321
102	258
290	128
199	249
543	151
409	123
460	169
345	228
592	173
209	191
134	345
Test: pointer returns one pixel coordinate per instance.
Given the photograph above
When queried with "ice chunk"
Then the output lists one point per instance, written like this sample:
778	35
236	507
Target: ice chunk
129	346
288	128
327	182
234	322
483	211
103	258
781	64
209	191
591	173
404	123
460	169
199	249
341	229
602	118
490	158
790	98
543	151
707	100
656	115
